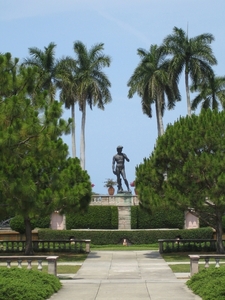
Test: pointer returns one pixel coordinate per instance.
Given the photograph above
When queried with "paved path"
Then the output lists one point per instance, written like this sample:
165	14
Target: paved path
123	275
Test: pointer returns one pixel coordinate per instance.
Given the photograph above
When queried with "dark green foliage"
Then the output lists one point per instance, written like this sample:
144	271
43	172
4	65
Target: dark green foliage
191	155
159	218
36	174
209	283
17	223
106	217
105	237
223	223
134	217
23	284
97	217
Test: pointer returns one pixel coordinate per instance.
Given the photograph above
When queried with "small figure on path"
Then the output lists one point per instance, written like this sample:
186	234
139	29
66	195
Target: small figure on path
119	169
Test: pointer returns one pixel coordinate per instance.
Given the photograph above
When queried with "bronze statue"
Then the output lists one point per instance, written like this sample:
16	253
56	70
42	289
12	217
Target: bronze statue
119	169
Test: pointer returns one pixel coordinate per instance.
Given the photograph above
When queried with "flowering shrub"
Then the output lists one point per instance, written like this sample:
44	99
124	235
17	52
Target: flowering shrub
92	185
132	183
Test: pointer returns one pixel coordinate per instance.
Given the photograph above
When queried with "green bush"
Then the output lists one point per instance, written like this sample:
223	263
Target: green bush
17	223
97	217
23	284
106	237
209	283
158	218
106	217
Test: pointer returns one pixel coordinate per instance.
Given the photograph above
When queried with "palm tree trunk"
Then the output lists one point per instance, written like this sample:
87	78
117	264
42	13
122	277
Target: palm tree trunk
159	117
82	137
73	130
188	94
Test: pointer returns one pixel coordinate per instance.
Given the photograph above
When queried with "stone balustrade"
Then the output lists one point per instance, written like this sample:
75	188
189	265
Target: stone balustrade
51	260
194	261
176	245
72	245
116	200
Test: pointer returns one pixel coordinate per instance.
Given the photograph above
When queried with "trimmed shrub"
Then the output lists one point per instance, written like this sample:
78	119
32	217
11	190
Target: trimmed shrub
138	237
106	217
17	223
158	218
97	217
23	284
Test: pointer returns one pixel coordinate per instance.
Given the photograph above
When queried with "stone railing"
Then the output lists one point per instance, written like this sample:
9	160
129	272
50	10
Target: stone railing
72	245
176	245
51	260
116	200
194	261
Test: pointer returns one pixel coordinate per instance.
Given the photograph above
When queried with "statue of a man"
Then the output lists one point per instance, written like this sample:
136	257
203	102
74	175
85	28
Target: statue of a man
119	169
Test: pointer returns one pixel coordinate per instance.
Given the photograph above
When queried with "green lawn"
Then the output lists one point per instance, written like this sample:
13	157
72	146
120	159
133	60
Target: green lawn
124	248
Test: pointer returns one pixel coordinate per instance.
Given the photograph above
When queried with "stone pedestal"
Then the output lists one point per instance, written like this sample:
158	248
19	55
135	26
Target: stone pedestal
124	202
124	217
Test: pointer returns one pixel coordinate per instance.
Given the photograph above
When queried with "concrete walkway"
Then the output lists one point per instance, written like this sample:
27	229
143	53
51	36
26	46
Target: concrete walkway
123	275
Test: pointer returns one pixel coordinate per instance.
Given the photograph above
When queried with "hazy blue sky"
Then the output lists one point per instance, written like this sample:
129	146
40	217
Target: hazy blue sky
123	26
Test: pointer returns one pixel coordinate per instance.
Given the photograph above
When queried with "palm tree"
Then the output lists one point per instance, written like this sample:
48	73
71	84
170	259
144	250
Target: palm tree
45	63
92	83
211	93
151	82
193	55
66	82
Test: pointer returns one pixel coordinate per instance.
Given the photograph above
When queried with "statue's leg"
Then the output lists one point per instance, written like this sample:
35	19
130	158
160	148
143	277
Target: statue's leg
125	180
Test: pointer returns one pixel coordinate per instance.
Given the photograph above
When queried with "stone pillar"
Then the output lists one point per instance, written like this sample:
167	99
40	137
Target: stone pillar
52	264
193	264
124	218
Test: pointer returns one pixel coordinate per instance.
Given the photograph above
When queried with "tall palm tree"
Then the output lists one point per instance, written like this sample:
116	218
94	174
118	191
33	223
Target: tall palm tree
45	63
92	83
211	93
193	55
151	82
66	82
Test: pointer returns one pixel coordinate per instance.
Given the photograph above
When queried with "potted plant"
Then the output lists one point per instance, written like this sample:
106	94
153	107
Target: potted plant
133	185
109	183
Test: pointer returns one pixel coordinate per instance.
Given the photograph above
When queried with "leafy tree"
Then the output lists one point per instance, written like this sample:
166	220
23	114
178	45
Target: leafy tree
191	154
193	55
92	83
211	93
151	82
36	175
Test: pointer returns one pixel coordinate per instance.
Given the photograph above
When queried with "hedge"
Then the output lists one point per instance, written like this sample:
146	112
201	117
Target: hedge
97	217
17	223
158	218
138	237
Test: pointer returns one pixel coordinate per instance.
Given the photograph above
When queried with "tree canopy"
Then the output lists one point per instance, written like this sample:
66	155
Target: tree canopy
36	175
187	169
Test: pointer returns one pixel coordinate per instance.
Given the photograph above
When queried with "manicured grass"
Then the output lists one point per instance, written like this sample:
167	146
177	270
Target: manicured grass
176	257
124	248
62	257
186	268
63	269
